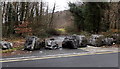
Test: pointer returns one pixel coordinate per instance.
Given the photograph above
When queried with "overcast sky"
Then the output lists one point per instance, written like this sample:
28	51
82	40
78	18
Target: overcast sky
60	4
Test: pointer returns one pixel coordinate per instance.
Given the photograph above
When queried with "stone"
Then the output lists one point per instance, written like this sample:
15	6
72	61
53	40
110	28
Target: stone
5	45
96	40
32	43
51	44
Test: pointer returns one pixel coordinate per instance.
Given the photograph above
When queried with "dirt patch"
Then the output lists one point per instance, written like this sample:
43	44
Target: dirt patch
18	45
17	52
115	45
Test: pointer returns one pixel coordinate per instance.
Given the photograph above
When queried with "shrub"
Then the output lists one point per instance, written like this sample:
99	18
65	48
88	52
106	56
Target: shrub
85	33
52	32
71	30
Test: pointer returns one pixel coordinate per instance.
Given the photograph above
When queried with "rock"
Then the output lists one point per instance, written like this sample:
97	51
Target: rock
32	43
71	42
60	48
40	51
116	38
83	41
13	53
96	40
30	51
22	49
5	45
108	41
51	44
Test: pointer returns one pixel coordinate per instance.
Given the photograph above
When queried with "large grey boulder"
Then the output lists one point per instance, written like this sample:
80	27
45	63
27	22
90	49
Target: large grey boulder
32	43
108	41
82	41
51	44
116	38
5	45
96	40
71	42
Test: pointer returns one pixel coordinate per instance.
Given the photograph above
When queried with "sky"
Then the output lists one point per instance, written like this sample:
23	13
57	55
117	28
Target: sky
63	4
60	4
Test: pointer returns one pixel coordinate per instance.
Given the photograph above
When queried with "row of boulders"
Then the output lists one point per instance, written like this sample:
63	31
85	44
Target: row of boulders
76	41
33	43
73	41
100	40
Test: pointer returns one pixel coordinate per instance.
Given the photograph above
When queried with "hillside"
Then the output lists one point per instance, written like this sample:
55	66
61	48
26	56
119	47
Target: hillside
63	19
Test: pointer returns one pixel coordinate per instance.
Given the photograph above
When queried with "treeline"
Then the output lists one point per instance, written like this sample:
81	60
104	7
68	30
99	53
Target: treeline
36	14
95	17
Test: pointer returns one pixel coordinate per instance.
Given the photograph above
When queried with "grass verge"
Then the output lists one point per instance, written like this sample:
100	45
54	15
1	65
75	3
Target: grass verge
11	50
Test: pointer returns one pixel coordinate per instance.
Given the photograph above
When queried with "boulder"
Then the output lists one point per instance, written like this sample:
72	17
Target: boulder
71	42
5	45
96	40
116	38
51	44
108	41
82	41
32	43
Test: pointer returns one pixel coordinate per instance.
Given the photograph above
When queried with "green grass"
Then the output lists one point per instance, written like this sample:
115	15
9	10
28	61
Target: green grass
11	50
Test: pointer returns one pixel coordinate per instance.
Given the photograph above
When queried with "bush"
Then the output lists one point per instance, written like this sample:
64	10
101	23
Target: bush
52	32
61	31
71	30
85	33
108	33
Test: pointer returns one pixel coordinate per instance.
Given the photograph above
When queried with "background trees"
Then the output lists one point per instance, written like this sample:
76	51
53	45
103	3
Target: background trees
96	17
0	21
92	17
19	13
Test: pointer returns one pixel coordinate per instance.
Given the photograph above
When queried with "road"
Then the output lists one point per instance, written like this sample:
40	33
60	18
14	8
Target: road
93	60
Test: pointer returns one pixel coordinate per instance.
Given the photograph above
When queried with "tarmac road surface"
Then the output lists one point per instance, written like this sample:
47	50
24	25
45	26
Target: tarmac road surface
92	60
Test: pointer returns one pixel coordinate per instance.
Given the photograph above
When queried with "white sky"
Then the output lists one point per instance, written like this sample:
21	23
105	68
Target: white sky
60	4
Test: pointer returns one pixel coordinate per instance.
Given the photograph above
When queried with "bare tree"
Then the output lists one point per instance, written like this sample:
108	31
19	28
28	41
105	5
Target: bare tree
0	20
52	16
